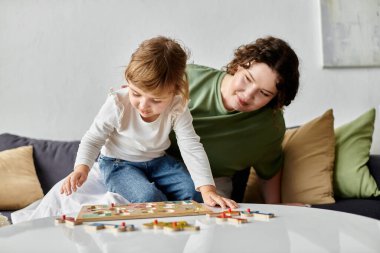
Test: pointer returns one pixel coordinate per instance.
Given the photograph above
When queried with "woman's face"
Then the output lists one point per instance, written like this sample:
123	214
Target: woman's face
250	89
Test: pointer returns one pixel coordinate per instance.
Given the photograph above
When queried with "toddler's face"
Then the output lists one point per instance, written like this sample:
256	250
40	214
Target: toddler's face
149	105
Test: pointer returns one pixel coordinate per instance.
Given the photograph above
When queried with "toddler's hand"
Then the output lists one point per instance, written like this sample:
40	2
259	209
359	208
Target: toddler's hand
211	198
75	179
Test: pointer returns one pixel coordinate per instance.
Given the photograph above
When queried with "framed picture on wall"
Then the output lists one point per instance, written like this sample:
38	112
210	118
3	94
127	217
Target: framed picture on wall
350	33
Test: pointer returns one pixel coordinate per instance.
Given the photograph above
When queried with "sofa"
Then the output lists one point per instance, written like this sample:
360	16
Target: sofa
53	160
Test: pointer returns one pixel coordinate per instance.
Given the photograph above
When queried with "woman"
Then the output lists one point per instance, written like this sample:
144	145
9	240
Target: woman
238	113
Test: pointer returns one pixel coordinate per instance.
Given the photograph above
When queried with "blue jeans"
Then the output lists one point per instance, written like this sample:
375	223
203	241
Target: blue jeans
161	179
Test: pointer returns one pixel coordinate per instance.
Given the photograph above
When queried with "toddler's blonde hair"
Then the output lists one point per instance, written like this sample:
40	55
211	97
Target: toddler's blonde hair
158	65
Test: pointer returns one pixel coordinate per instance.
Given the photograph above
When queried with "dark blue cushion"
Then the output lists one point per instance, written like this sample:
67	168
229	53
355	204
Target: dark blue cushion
374	168
53	160
368	207
365	207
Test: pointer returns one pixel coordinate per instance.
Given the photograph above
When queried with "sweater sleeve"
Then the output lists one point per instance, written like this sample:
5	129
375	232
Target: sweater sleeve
103	125
192	151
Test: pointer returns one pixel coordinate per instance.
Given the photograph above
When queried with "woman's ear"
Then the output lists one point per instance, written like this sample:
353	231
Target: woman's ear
247	65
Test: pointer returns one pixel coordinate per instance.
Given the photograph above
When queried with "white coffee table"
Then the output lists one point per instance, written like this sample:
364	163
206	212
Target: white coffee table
295	229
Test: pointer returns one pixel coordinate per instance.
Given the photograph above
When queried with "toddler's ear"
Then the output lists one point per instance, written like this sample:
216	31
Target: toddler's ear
125	85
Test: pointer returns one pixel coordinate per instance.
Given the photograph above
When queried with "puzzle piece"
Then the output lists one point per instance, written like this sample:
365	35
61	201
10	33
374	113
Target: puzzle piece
60	220
227	213
247	213
171	226
94	227
223	217
69	221
237	220
257	214
111	227
262	216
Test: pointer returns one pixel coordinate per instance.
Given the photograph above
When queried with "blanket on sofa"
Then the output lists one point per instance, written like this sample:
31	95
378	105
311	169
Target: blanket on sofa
56	204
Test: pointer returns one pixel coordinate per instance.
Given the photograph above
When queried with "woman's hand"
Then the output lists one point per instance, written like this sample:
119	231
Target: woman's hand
75	179
211	198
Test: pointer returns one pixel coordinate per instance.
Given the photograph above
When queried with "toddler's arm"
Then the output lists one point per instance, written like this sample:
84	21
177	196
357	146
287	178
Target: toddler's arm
195	158
90	145
75	179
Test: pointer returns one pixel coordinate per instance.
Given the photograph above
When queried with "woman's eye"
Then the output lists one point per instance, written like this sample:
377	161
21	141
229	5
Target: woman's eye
157	101
265	94
135	94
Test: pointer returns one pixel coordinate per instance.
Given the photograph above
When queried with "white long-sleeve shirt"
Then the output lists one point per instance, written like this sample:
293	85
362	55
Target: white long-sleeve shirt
118	131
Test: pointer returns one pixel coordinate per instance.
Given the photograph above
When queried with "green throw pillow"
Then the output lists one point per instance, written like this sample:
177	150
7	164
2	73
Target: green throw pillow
352	178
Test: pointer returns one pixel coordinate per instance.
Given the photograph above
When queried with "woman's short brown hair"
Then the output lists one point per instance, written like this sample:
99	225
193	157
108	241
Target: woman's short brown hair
159	65
280	57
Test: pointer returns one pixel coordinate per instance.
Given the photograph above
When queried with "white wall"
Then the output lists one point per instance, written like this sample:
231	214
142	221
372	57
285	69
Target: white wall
58	58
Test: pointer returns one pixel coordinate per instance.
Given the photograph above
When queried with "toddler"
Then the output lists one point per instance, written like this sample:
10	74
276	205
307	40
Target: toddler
131	132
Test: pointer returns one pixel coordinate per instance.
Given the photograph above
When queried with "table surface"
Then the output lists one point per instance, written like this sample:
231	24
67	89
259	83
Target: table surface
294	229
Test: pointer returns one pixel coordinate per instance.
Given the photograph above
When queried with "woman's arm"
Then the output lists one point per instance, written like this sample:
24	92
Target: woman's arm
271	189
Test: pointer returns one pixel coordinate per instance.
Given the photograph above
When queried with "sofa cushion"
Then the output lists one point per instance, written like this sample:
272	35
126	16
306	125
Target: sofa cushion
309	159
53	160
352	178
369	207
19	184
374	168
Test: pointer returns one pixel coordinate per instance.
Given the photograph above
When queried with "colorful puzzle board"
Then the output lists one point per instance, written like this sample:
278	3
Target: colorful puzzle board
141	210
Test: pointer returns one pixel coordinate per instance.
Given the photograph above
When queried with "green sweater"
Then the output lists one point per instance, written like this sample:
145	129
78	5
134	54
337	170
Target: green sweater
233	140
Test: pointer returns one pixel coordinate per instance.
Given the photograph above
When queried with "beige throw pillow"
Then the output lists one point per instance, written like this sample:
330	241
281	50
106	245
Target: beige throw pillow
19	184
309	160
308	166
